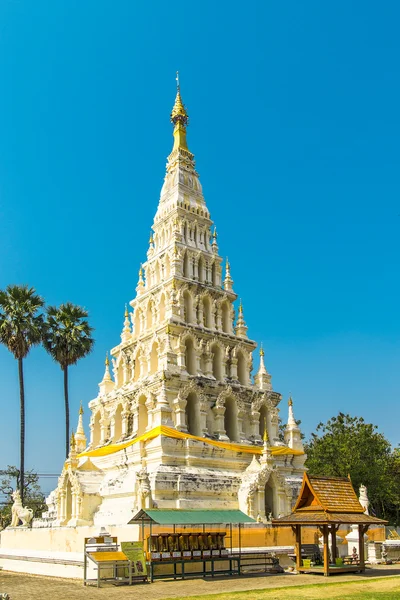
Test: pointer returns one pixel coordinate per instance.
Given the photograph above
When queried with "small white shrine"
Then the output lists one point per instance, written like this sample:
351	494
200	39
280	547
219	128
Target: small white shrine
180	423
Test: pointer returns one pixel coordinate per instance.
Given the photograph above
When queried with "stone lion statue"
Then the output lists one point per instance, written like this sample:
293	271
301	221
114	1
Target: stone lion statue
19	512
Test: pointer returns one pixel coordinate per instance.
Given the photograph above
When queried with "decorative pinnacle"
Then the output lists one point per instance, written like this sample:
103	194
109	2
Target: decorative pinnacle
81	409
261	350
72	441
126	311
141	272
240	307
179	113
107	362
215	235
290	401
151	240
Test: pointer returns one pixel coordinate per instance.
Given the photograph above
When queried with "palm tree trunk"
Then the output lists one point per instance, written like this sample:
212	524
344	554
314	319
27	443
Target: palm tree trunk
65	369
22	430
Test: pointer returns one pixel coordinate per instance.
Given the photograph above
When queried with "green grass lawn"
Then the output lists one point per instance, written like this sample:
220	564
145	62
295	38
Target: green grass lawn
387	588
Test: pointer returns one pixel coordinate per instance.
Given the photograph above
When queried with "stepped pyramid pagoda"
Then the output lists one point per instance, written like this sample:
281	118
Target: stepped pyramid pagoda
179	423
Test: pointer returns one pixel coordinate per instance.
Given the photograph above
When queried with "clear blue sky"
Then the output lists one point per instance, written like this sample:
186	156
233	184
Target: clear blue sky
295	126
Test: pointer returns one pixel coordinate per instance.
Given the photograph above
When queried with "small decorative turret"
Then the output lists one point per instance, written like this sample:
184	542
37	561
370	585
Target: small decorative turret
292	434
80	437
214	244
126	331
140	285
262	379
241	327
107	384
228	281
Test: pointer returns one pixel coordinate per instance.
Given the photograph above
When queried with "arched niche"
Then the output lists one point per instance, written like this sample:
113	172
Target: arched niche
118	424
187	307
186	265
137	319
167	267
231	420
263	420
190	357
143	416
270	499
242	369
149	315
154	358
161	308
192	412
217	362
137	366
200	268
96	429
226	318
206	311
214	274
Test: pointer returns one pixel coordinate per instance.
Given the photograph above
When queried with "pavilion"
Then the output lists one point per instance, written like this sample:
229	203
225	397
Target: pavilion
327	503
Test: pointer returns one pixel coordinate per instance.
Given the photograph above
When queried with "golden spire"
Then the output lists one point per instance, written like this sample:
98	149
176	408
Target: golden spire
241	307
151	240
126	311
261	350
290	401
107	362
179	118
72	441
81	409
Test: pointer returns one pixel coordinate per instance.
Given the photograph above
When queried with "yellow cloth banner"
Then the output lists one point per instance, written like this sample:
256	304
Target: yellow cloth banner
180	435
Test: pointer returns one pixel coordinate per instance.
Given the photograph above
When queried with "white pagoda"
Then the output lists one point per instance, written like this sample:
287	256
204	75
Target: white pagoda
180	423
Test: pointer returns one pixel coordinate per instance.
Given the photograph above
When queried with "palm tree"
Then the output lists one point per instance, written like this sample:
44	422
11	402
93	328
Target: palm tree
21	327
67	338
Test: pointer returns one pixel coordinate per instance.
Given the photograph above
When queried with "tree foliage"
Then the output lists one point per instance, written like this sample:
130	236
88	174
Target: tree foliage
21	327
67	338
347	445
10	481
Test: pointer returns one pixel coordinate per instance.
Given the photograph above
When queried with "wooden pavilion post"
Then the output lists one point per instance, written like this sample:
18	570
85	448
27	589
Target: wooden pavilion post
361	530
298	547
334	549
325	532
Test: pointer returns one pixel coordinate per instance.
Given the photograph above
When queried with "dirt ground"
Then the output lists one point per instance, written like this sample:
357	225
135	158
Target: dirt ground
35	587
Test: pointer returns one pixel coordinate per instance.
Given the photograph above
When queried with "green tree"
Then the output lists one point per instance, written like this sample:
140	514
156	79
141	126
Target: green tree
347	445
21	327
67	338
34	498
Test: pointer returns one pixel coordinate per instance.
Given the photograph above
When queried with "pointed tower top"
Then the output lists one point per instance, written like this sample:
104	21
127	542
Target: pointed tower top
81	409
290	401
179	113
72	441
261	351
126	314
107	361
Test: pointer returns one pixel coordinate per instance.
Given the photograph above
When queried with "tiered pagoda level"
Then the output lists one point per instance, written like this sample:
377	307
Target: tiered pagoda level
184	364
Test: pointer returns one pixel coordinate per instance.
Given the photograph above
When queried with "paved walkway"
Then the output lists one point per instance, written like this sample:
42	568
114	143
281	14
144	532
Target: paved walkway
35	587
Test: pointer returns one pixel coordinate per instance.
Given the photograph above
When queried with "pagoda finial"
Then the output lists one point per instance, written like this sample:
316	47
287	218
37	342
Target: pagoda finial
261	350
179	118
81	409
72	443
80	438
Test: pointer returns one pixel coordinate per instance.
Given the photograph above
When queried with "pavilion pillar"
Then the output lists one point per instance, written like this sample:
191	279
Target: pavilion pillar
325	532
298	547
333	536
361	551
